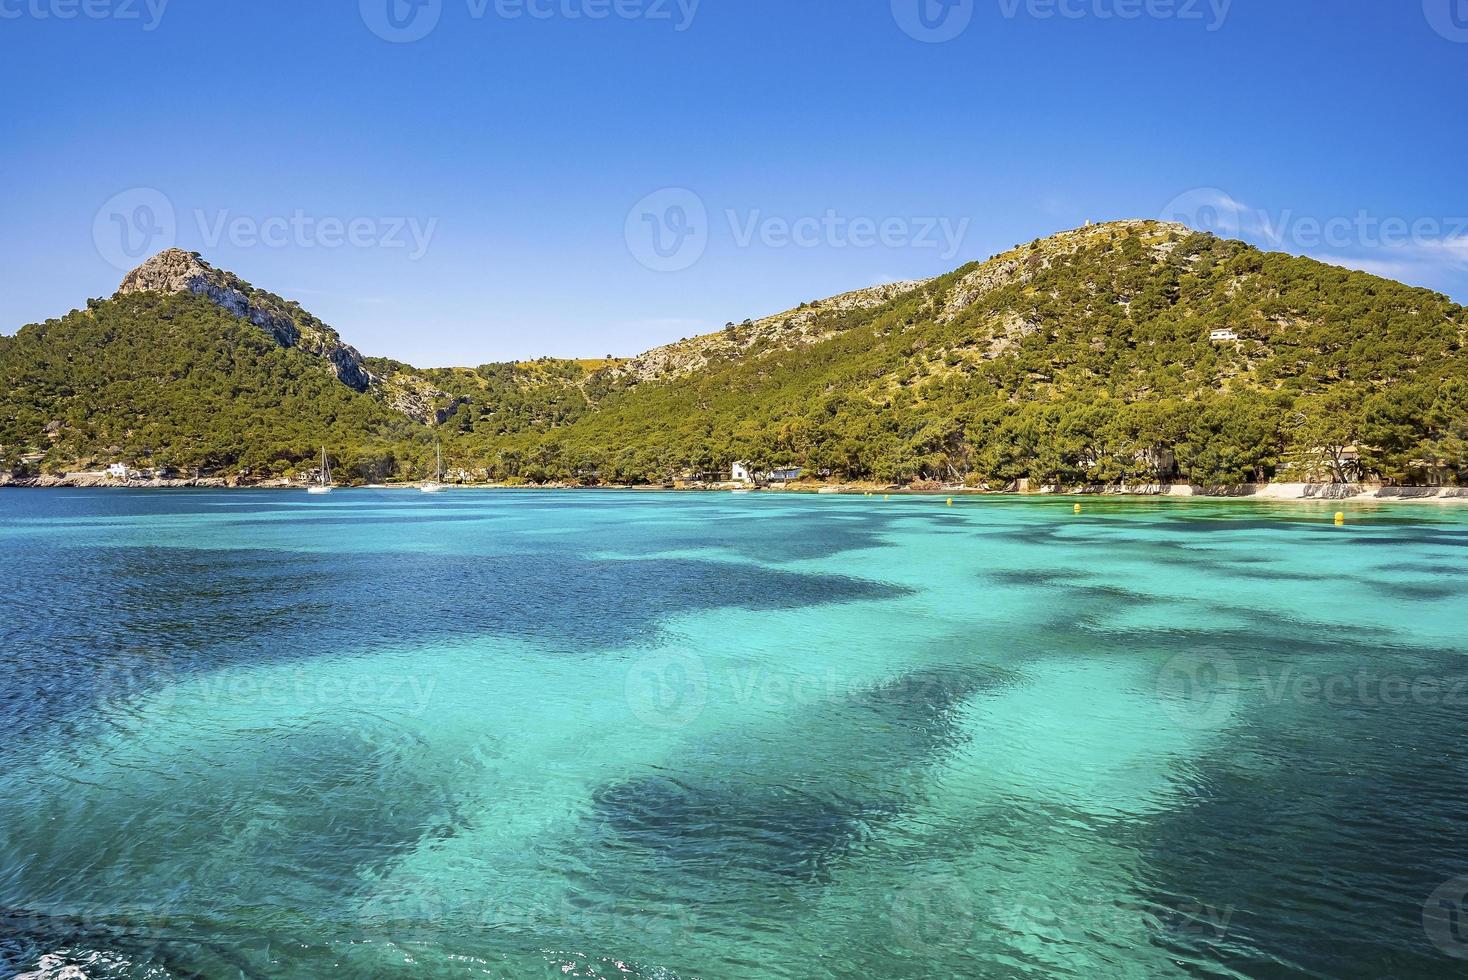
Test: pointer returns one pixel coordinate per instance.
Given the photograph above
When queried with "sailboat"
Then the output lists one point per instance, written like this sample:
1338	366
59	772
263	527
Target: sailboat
323	477
435	485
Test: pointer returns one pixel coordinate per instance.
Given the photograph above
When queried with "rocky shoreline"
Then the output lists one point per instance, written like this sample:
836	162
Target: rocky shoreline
1285	492
88	480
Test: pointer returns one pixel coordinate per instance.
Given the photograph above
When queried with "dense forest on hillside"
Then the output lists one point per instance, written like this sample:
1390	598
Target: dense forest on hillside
1097	368
1084	358
176	382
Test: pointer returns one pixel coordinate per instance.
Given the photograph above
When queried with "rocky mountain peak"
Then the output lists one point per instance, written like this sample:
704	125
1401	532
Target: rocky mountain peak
170	271
174	271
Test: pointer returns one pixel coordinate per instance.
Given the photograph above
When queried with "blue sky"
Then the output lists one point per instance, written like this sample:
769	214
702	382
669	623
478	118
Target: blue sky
581	177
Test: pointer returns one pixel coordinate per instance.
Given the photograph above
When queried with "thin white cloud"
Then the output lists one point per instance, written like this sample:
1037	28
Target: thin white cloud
1419	261
1222	199
1447	250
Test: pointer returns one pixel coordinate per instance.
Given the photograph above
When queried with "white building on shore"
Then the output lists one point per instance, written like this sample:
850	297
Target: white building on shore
741	472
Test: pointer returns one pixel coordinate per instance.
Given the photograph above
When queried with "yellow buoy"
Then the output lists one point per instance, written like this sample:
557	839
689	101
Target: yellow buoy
950	501
1340	517
1078	508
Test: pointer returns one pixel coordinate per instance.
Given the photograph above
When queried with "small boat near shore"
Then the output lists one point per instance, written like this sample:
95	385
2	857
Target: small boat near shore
323	477
435	485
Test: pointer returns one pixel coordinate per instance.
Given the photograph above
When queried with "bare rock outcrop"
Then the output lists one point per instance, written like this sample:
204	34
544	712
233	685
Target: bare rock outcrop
1022	264
175	271
784	331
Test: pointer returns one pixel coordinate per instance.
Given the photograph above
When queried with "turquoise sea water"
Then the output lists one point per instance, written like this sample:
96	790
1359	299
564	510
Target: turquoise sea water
599	734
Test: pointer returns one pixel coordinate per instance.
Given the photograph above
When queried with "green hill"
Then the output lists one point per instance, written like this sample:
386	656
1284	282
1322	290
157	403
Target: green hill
1087	357
1084	358
176	381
